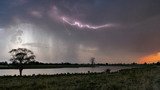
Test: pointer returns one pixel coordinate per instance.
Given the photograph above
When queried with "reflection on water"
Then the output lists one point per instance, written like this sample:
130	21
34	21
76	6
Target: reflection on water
61	70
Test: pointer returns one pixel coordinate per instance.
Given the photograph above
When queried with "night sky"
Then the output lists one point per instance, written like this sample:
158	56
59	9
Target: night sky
112	31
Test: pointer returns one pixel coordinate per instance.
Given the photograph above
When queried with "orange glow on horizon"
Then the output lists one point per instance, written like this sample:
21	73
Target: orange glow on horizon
153	58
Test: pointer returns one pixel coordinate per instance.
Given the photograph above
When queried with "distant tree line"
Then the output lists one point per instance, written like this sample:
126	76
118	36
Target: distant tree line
3	63
67	63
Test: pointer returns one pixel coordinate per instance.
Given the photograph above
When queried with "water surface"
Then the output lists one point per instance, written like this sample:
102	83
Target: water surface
61	70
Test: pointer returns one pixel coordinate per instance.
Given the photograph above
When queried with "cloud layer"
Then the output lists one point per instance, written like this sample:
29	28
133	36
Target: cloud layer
133	30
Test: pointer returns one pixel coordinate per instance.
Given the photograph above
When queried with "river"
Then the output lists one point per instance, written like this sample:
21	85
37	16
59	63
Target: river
62	70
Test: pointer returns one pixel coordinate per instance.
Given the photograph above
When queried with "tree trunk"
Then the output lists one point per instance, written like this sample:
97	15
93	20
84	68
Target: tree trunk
20	71
20	68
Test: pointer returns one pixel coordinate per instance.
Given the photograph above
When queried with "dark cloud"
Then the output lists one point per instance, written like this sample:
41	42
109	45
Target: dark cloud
136	32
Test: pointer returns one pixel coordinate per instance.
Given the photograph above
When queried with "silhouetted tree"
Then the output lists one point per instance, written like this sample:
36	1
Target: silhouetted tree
3	63
92	60
107	64
158	63
145	63
134	63
21	56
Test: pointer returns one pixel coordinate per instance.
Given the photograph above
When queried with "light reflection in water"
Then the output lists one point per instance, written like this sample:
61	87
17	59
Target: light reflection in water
61	70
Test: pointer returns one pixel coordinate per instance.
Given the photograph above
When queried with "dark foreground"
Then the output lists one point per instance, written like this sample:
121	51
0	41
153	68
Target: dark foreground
147	78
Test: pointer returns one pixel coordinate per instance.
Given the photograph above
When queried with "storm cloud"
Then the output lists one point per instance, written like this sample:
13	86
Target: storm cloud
39	26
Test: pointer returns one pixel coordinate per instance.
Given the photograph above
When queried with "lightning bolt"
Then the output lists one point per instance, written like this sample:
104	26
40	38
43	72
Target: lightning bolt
81	25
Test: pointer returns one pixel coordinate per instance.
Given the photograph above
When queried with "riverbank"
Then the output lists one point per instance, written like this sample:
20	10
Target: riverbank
146	78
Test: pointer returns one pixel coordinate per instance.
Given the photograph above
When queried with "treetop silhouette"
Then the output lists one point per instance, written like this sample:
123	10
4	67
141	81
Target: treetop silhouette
21	56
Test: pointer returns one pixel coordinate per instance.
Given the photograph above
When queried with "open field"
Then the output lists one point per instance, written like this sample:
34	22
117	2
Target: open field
147	78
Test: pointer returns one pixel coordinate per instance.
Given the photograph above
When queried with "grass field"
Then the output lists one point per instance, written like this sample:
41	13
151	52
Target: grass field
147	78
